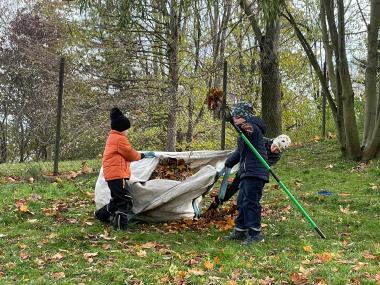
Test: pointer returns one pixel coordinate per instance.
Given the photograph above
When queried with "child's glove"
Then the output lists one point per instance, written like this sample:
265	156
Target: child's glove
149	154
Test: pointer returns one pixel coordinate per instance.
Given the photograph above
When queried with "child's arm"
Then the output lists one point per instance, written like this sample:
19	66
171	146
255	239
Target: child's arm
127	151
232	159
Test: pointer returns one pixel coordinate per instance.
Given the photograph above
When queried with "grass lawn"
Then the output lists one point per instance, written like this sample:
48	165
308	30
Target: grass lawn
48	234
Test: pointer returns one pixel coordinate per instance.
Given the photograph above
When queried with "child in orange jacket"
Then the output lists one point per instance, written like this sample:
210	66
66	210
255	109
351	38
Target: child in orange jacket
117	157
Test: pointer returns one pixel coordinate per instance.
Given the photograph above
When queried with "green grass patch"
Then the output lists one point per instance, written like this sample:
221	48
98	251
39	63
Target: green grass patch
57	241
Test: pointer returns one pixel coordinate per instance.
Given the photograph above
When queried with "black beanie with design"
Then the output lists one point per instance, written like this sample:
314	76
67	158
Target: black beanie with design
119	122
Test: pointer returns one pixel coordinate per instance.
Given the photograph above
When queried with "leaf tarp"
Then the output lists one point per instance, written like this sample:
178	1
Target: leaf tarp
160	200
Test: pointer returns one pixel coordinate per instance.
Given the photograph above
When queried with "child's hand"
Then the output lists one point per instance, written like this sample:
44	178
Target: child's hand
274	148
149	154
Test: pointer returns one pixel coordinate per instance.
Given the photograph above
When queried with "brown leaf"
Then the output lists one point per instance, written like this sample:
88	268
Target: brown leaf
141	253
196	272
359	266
90	254
299	278
24	255
267	281
148	245
57	256
320	281
325	256
58	275
368	255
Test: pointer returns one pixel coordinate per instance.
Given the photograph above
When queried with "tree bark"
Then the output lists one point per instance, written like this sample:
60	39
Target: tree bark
173	75
270	75
372	121
370	117
350	126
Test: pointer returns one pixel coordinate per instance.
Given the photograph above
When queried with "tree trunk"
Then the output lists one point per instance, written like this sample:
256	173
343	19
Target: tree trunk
270	73
350	126
370	117
372	121
173	75
21	141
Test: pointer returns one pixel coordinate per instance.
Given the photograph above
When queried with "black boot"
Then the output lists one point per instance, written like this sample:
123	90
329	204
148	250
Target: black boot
120	221
236	235
253	237
104	214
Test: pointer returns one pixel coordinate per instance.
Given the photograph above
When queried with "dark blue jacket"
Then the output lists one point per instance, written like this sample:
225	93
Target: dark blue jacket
250	166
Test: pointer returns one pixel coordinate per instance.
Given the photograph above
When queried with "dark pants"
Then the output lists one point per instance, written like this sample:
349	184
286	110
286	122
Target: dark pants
248	202
120	206
121	199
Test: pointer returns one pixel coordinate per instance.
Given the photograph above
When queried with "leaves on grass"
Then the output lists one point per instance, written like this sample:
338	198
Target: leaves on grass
58	275
208	265
360	167
299	278
307	248
24	255
324	257
89	256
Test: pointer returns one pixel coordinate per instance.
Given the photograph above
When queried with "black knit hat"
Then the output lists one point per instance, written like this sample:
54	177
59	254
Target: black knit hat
119	122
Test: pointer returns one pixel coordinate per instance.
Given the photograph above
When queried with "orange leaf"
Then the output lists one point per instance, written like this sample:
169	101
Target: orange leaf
209	265
325	256
216	260
307	248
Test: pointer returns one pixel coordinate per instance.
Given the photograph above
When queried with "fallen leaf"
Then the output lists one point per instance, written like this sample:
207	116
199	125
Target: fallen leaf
216	260
148	245
267	281
299	278
359	266
325	257
208	265
368	255
141	253
58	275
57	256
320	281
90	254
345	210
307	248
196	272
24	255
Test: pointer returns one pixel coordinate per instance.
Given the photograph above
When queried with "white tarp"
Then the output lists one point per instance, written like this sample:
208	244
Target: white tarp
160	200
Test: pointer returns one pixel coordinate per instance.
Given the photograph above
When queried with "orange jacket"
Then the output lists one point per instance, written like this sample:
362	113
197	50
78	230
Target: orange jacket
117	156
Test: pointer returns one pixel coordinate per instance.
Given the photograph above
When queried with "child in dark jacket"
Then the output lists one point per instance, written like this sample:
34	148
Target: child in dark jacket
117	157
253	175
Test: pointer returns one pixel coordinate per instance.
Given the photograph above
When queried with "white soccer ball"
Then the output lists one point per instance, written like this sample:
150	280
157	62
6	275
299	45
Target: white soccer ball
282	142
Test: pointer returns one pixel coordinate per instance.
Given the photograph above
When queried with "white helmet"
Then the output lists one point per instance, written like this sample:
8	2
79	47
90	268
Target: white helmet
282	142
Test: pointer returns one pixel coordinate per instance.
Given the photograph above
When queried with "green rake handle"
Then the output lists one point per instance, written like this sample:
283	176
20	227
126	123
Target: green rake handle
280	183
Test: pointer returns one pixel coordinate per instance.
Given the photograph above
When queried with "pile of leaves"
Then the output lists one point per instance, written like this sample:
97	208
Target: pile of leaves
173	169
